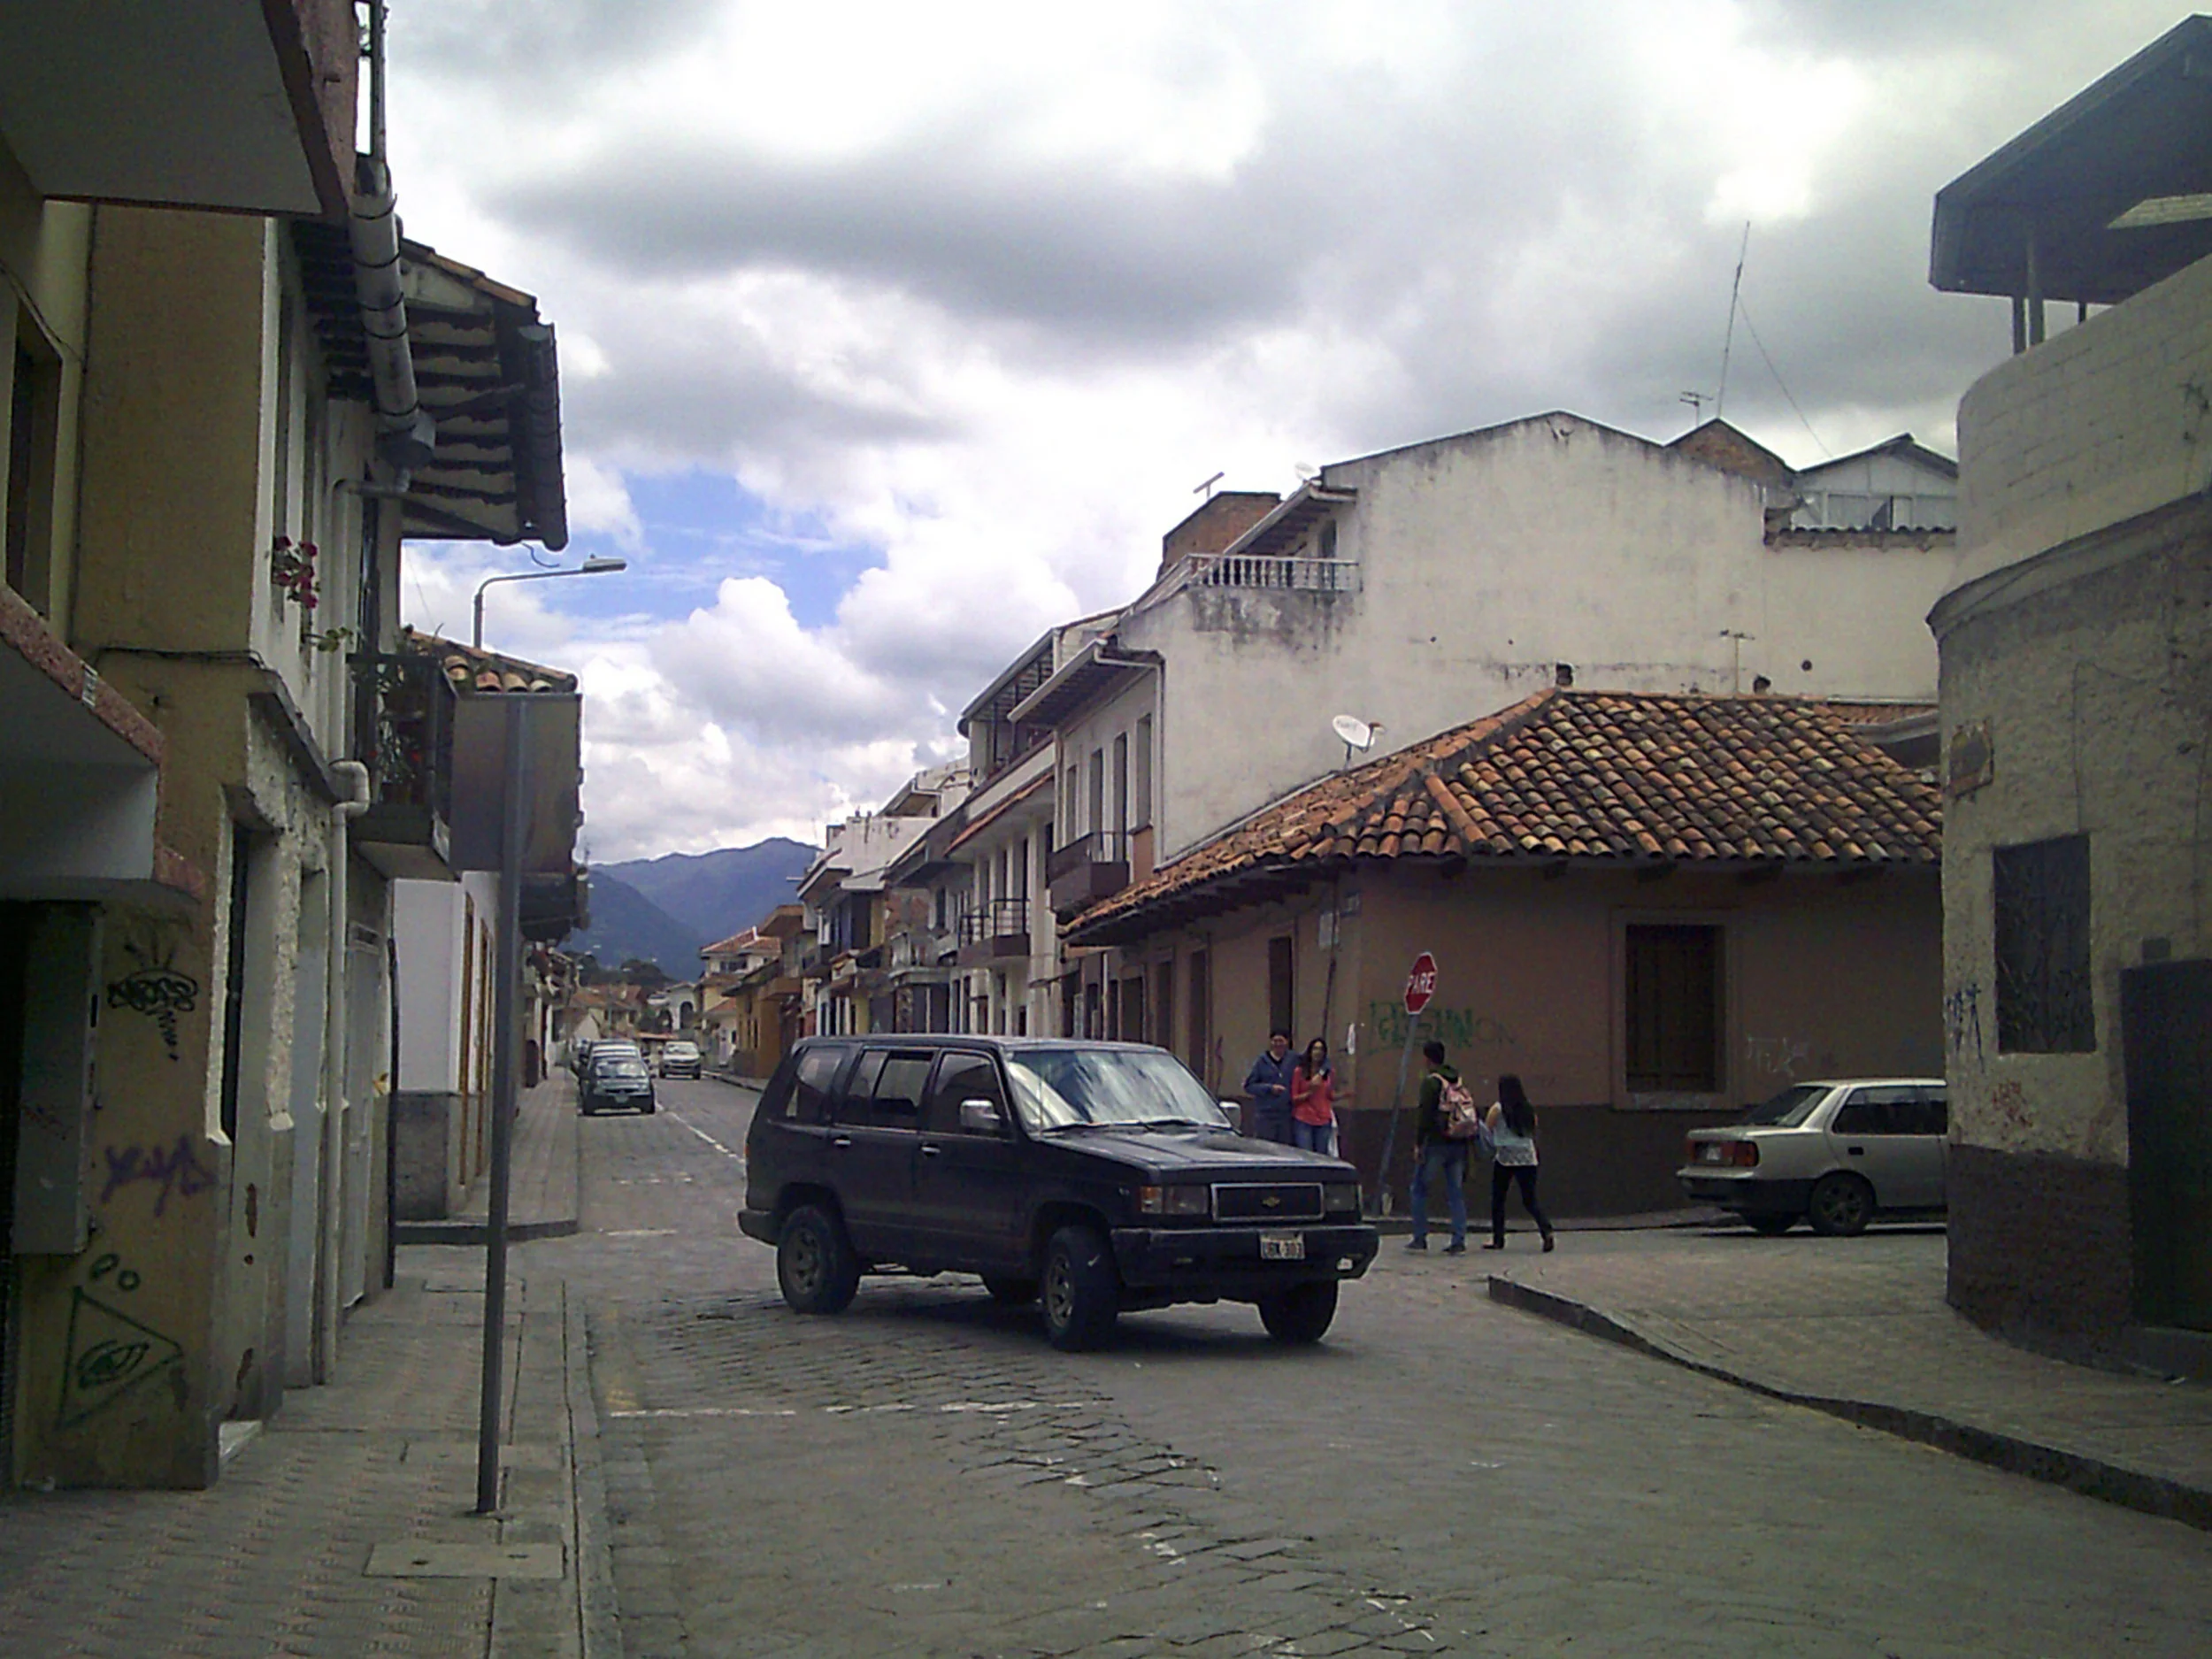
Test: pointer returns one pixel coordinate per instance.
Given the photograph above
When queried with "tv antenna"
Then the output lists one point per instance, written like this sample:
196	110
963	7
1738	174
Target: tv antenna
1357	733
1207	488
1697	401
1728	341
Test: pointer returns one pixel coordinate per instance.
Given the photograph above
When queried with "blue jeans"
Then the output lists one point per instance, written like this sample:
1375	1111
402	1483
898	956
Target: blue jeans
1272	1122
1312	1137
1450	1158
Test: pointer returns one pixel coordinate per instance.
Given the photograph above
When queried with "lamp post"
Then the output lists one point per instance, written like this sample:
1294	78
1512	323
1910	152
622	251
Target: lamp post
590	567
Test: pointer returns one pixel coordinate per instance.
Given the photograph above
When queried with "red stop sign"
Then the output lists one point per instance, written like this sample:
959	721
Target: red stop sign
1421	983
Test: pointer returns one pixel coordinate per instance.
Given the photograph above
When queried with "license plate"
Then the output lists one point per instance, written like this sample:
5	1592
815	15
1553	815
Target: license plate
1282	1246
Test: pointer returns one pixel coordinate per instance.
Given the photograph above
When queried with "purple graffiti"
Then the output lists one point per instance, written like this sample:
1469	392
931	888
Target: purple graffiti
175	1169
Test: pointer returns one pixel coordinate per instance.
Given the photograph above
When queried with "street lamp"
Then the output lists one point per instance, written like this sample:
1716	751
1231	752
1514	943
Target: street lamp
590	567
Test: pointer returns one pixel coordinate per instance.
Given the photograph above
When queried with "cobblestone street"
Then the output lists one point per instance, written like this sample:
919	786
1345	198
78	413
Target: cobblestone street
922	1475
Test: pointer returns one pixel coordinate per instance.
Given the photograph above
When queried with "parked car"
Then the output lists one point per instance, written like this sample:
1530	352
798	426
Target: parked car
1836	1153
616	1079
580	1054
679	1059
1101	1177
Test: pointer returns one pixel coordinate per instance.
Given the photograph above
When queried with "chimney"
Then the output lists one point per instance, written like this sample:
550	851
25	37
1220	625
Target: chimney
1221	521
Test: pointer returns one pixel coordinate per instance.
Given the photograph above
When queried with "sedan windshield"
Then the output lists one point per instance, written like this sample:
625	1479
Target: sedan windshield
1789	1108
620	1066
1073	1088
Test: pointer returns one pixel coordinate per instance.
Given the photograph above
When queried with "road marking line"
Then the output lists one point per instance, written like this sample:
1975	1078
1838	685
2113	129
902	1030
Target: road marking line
703	1135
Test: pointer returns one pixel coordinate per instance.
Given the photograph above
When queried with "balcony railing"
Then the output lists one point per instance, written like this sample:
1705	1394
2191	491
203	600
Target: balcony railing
993	930
407	706
1087	870
1301	575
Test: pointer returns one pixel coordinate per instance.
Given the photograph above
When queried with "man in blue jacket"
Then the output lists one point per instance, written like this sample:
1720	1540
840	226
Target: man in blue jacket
1268	1086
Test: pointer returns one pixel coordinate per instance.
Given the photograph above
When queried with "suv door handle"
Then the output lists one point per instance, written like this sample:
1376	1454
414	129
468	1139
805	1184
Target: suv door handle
929	1149
841	1140
1856	1152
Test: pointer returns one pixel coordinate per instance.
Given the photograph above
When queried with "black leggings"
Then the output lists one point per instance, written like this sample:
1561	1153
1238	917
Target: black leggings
1503	1175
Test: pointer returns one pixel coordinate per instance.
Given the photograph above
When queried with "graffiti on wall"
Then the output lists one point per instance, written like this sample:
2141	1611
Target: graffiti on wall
155	988
175	1169
1963	1020
108	1353
1776	1057
1453	1027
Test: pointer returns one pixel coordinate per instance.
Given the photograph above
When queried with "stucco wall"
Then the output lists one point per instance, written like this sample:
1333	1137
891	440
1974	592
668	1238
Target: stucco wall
2097	424
1486	561
1823	977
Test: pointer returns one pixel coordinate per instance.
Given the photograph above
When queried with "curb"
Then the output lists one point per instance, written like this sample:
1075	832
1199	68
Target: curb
475	1231
2089	1476
598	1615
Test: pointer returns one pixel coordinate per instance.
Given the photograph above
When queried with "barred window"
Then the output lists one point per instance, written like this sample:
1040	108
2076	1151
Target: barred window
1673	1004
2042	904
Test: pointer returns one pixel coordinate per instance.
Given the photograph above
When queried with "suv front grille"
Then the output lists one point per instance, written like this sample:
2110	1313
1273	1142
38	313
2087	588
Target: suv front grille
1277	1201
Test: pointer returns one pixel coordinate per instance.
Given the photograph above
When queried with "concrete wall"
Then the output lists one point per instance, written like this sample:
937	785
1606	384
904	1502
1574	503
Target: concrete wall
2100	423
1823	977
444	932
1486	560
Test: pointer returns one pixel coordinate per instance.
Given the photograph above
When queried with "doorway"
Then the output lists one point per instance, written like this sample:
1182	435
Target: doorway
2166	1037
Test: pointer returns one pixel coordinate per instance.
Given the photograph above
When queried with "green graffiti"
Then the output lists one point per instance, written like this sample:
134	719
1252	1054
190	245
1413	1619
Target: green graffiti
1453	1027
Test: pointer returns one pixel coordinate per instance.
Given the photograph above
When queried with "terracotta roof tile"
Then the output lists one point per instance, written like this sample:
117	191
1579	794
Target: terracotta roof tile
1601	776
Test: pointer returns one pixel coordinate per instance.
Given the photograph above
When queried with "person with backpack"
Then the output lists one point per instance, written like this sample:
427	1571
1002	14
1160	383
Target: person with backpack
1510	1128
1445	1125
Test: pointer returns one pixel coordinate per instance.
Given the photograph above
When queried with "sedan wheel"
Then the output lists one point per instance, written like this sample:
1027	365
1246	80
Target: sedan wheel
1081	1296
816	1268
1841	1206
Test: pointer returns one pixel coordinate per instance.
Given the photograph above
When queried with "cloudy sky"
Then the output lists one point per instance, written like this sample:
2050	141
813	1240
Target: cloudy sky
891	336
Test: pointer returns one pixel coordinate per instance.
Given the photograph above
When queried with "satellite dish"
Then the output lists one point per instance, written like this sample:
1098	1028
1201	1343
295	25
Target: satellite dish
1355	732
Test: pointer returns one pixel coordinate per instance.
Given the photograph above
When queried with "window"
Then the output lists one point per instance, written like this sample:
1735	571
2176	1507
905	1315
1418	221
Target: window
961	1077
1282	1003
1673	1004
2042	923
34	413
1070	810
809	1097
1327	544
1096	817
1886	1111
895	1100
1122	819
1140	813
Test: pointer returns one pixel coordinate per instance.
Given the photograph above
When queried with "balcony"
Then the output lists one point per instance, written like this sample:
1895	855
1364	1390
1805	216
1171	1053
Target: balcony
993	932
1087	870
407	744
1268	569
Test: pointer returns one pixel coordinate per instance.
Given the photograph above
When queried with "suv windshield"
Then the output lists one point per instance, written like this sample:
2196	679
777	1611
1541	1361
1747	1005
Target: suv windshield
1069	1088
619	1065
1789	1108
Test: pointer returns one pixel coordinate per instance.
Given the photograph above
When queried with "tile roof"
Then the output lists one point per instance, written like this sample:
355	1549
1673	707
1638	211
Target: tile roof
472	668
1613	777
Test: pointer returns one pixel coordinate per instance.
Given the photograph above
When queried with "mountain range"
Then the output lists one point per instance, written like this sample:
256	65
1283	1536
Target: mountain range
662	909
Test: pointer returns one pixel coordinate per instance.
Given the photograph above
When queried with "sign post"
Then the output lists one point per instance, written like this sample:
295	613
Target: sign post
1420	988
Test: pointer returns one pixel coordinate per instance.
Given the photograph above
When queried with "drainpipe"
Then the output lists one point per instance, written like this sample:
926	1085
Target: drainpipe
405	432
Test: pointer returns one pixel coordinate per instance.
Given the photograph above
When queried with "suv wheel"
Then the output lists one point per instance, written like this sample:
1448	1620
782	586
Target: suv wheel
816	1268
1841	1206
1301	1314
1080	1295
1008	1291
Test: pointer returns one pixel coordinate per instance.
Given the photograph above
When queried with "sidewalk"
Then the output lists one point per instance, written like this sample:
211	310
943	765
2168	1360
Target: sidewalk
541	1200
342	1526
1859	1328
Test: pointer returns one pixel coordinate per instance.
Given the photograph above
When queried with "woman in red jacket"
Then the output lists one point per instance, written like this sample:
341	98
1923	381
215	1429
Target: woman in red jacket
1313	1100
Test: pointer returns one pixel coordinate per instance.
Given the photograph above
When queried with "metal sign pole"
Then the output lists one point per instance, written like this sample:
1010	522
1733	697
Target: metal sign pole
1390	1139
504	1057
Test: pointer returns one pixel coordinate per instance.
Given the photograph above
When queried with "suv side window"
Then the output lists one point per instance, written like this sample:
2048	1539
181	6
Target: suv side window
895	1082
852	1105
1887	1110
961	1077
808	1100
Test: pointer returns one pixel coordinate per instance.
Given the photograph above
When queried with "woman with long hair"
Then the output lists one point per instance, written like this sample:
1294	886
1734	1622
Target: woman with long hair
1313	1100
1511	1124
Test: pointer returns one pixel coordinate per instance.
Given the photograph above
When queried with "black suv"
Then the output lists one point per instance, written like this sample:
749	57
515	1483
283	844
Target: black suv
1100	1175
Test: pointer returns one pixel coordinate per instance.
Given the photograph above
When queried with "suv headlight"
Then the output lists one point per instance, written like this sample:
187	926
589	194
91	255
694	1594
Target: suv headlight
1174	1201
1341	1198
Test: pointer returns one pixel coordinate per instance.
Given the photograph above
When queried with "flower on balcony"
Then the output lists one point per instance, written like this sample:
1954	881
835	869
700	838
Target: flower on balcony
292	568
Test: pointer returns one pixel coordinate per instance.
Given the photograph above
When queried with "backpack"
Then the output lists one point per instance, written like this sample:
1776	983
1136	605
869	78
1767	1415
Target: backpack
1456	1110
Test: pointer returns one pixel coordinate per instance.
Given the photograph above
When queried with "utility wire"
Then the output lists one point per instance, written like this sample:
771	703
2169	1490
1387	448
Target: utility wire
1752	329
